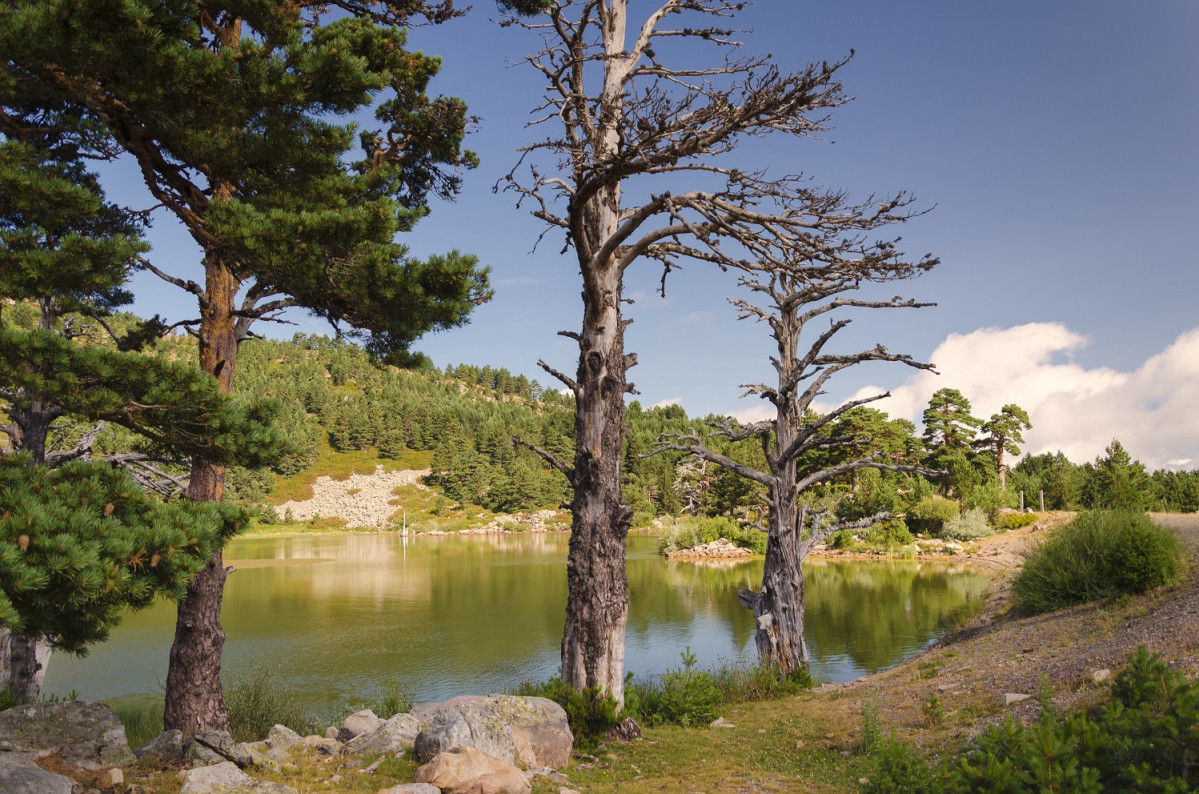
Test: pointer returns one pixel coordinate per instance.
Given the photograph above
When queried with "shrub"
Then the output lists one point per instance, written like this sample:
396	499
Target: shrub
256	705
740	683
687	533
889	533
1017	520
988	498
591	713
842	539
930	514
968	526
1099	554
685	697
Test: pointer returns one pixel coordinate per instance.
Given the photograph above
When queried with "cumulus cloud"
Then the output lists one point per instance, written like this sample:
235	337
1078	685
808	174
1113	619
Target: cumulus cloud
1073	409
666	402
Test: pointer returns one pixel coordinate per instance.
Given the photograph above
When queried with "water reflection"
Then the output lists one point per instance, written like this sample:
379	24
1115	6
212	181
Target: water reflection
340	616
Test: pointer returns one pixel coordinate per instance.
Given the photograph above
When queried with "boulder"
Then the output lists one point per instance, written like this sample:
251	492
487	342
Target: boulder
166	746
394	736
526	730
226	778
85	735
411	788
213	747
509	780
357	724
451	769
33	781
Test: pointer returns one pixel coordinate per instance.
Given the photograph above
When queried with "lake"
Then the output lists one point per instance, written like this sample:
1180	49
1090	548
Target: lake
339	618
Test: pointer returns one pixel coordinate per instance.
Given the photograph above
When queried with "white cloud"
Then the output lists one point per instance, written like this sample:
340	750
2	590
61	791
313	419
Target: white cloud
667	401
1074	409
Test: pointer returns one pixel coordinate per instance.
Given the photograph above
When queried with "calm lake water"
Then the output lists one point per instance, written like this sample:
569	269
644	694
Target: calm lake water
339	618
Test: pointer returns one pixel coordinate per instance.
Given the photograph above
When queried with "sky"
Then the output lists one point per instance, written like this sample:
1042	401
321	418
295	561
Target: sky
1054	145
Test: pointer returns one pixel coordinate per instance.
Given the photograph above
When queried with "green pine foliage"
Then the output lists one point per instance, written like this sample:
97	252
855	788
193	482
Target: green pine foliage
1144	739
1098	555
80	543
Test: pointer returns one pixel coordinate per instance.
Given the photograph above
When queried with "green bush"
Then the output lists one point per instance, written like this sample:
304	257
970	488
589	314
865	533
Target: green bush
1099	554
741	683
930	514
1017	520
256	705
968	526
685	697
988	498
591	713
889	533
688	532
1143	740
842	539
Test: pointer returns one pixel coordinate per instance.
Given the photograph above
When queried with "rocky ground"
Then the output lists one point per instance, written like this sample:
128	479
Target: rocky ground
361	500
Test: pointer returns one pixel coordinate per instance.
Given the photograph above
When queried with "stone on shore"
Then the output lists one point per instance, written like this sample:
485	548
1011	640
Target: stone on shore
391	737
452	770
226	778
524	730
85	735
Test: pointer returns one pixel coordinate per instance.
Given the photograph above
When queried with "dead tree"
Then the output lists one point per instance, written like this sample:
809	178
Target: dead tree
799	293
624	127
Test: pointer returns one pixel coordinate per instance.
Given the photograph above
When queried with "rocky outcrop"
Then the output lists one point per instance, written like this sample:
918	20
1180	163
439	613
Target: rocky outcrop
361	500
719	549
85	735
525	730
391	737
469	771
226	778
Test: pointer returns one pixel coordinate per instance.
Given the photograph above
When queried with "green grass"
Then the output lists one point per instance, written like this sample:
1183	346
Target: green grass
142	721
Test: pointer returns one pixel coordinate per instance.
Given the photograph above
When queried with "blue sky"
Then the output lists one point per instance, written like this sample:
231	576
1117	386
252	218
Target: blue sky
1055	143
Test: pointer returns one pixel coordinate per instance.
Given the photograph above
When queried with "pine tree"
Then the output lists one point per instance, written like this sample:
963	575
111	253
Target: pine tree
237	118
1003	431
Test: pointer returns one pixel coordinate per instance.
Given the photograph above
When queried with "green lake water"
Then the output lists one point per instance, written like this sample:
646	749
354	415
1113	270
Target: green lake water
338	618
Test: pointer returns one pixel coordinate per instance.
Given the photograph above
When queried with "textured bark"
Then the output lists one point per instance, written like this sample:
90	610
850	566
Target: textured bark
194	701
23	661
597	605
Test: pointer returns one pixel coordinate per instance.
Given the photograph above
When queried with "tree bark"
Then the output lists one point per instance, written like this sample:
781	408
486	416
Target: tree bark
194	700
23	662
597	605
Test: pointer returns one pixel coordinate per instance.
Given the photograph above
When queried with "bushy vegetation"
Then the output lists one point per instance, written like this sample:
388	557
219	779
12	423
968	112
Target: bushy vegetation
970	525
1016	520
689	532
1099	554
930	514
1143	740
256	704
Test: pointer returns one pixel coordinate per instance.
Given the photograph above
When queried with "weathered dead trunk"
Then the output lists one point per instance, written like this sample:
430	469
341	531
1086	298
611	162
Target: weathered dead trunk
194	701
779	608
597	604
23	662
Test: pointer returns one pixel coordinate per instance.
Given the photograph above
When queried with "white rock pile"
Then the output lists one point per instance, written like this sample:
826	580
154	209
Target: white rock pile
362	500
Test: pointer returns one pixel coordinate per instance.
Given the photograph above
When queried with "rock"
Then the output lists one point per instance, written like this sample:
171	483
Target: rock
720	722
1013	697
111	777
411	788
626	731
281	737
167	746
331	732
509	780
396	735
213	747
526	730
357	724
322	745
454	768
86	735
953	548
226	778
552	775
1101	675
33	781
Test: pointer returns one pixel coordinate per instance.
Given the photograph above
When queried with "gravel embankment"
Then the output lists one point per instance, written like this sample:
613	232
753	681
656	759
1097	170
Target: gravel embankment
362	500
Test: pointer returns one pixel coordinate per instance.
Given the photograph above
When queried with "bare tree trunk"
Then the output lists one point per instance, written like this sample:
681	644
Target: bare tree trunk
194	701
597	605
779	608
23	662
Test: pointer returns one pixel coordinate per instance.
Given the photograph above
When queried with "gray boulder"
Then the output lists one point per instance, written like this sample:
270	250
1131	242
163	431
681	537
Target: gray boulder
86	735
357	724
396	735
226	778
523	730
452	769
213	747
166	746
411	788
33	781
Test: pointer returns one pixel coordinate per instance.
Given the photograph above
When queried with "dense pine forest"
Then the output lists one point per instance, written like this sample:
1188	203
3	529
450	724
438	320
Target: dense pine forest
460	421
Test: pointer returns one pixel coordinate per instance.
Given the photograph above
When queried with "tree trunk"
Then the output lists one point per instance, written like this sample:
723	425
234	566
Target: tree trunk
194	701
597	605
23	661
779	608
